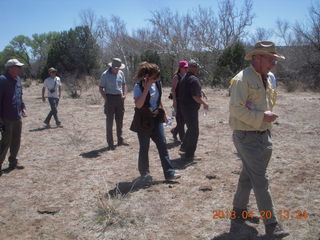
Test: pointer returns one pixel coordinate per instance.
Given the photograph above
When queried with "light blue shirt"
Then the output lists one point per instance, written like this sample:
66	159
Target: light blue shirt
154	95
111	83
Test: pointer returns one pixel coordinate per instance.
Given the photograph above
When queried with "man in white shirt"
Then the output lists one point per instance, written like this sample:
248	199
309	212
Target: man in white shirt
53	84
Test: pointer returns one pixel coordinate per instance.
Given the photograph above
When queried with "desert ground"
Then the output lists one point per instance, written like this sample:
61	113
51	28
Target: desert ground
72	187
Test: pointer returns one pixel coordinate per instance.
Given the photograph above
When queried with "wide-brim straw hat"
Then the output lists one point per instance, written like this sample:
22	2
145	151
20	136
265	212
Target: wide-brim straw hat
116	63
264	48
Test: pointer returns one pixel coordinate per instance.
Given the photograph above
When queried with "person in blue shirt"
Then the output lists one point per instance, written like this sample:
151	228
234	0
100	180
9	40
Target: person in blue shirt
12	109
112	88
147	98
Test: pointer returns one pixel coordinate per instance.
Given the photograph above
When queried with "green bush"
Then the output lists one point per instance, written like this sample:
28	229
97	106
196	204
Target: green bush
230	62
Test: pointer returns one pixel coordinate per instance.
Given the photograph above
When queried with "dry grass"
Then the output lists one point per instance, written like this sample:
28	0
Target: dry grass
69	168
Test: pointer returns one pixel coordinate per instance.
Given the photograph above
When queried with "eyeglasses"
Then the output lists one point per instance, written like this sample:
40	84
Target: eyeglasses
271	60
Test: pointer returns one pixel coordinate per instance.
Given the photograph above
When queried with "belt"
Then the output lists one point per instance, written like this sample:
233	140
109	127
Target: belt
258	132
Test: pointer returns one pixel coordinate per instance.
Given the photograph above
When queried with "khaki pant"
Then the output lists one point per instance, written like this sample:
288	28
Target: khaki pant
254	149
10	139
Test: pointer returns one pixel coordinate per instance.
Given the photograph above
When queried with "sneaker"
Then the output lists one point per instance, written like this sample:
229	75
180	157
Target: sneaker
275	230
59	124
173	177
191	159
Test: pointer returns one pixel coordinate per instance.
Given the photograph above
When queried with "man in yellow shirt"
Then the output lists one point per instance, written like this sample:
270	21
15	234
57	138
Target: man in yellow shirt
251	101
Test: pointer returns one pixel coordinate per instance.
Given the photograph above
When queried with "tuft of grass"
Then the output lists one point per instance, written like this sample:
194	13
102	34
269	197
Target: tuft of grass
114	212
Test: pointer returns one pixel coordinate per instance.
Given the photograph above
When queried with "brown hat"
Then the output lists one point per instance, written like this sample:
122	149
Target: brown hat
264	48
52	70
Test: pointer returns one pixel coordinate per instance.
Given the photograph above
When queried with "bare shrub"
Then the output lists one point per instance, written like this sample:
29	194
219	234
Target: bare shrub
115	212
76	136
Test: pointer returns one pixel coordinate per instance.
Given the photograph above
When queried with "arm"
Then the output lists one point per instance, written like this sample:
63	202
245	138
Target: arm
102	93
43	91
23	106
196	93
165	115
60	89
139	101
200	101
124	91
124	87
173	91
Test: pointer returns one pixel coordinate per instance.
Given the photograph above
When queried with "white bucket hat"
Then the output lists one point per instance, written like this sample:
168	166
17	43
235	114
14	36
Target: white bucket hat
116	63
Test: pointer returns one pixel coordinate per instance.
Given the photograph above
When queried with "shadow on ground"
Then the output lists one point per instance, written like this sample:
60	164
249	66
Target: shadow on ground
247	233
41	129
94	153
124	188
180	164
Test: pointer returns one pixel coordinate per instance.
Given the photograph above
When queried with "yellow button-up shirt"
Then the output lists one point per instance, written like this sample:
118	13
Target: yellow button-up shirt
249	100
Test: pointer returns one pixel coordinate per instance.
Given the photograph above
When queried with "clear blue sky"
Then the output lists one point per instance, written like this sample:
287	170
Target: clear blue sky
26	17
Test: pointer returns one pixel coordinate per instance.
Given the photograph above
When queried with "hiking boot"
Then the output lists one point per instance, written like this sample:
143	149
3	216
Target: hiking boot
275	230
173	177
122	143
47	124
145	179
245	215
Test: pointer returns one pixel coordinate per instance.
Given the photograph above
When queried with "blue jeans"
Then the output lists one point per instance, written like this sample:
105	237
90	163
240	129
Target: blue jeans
159	139
190	140
54	112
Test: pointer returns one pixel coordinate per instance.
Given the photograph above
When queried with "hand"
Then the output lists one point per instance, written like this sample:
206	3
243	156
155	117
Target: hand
146	84
123	97
43	99
269	116
24	113
205	106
